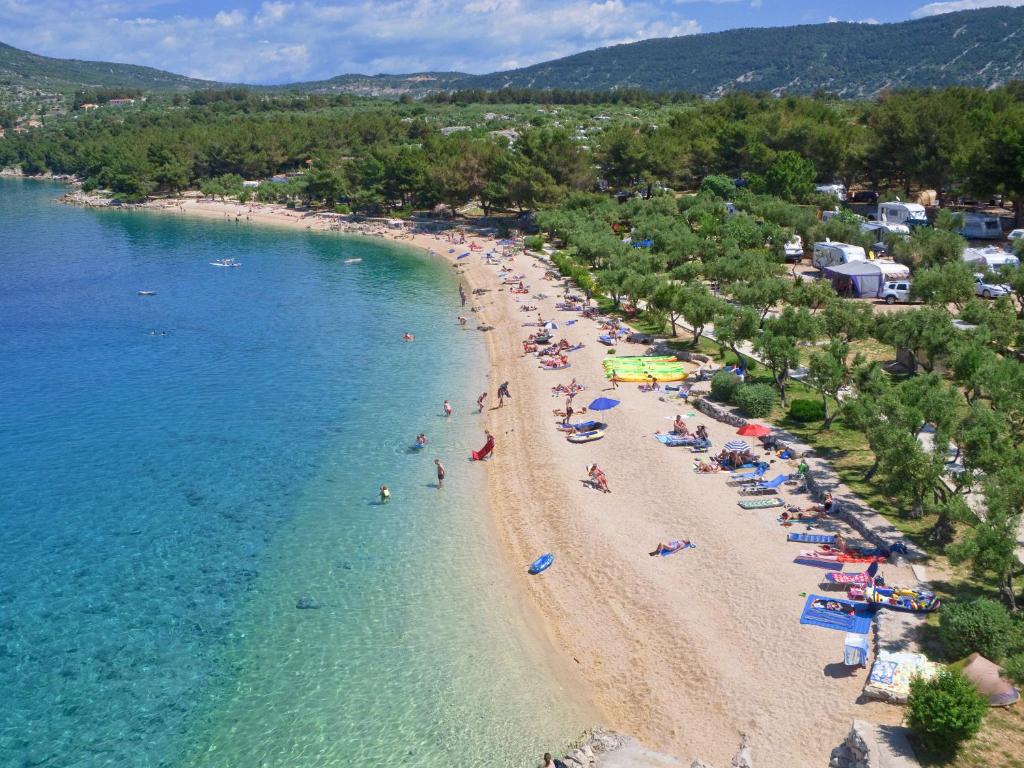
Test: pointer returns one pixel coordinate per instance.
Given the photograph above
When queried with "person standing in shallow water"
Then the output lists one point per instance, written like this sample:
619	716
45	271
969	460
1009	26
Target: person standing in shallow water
447	408
440	473
480	403
462	294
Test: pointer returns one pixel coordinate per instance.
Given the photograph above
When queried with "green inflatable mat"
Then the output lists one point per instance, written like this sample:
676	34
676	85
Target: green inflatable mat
761	503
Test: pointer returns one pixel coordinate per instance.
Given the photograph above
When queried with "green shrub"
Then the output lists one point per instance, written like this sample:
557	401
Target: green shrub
533	243
342	208
944	712
1014	666
724	386
805	410
980	625
756	400
719	186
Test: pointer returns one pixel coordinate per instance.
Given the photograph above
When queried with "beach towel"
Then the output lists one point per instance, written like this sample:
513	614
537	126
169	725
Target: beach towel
892	672
675	546
761	503
833	613
814	562
812	538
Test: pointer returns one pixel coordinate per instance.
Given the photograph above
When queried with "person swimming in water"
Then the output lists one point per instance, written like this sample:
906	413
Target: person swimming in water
421	439
408	337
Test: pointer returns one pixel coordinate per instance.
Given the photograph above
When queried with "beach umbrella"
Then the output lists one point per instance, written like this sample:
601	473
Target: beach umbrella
753	430
736	446
604	404
551	325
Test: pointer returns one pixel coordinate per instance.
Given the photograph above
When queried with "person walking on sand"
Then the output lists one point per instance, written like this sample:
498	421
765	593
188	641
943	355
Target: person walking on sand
503	393
615	380
440	473
447	408
462	294
480	403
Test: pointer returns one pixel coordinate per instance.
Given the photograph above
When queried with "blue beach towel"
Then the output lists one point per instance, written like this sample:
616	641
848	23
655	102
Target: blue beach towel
859	621
667	552
812	538
818	563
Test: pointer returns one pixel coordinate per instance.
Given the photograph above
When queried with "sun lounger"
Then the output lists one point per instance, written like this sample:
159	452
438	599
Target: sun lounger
747	478
864	577
765	488
812	538
769	503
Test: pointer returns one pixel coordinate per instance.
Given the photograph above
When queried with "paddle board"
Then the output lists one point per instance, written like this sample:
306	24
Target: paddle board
541	564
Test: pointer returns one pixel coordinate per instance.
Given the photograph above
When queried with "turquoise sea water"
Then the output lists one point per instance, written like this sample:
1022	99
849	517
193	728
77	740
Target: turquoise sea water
179	472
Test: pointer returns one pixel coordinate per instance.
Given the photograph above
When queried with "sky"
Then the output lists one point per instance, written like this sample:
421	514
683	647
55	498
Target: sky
279	41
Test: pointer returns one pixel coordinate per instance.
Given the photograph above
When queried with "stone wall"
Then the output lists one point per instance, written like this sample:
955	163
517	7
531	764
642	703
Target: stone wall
821	479
871	746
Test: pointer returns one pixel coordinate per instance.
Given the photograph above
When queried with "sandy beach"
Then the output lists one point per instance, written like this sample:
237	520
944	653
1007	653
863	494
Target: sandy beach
683	652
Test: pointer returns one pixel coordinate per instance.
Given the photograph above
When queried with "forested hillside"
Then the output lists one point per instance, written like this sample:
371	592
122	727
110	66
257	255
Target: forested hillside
29	70
981	48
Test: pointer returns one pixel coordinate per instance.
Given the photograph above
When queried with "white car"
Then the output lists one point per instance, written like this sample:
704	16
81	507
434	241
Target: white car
988	290
895	290
1017	234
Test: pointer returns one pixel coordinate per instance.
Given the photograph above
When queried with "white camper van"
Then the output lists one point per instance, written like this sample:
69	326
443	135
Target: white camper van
990	256
898	212
980	226
829	254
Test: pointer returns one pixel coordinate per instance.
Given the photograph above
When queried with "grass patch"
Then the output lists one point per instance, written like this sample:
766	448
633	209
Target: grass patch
999	742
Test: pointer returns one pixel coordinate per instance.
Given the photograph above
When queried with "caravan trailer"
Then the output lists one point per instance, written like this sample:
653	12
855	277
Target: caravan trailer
980	226
898	212
829	254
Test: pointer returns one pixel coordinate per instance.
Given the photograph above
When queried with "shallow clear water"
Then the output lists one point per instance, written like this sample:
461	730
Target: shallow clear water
178	472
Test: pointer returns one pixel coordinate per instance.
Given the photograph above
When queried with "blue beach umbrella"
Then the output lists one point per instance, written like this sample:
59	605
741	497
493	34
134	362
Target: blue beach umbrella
605	404
736	446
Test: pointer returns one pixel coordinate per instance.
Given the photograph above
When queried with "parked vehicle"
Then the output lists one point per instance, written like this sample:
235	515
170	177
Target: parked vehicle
829	254
988	290
1016	234
839	190
863	196
980	226
898	212
895	291
991	256
878	230
794	249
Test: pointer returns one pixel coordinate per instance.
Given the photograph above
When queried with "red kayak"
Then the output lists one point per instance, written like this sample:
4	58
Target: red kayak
484	452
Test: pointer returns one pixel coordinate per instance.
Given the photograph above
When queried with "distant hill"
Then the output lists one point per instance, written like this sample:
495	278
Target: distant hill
29	70
980	48
385	85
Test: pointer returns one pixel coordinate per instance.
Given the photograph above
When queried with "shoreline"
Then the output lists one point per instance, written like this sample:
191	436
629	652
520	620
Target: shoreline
685	653
537	627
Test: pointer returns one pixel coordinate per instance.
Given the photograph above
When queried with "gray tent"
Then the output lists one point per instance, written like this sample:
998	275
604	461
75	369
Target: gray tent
857	278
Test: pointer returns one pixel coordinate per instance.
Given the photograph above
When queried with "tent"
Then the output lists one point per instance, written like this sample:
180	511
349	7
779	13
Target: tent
857	278
987	679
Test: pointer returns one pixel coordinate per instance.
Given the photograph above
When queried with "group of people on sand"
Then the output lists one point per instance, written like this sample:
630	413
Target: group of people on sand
680	429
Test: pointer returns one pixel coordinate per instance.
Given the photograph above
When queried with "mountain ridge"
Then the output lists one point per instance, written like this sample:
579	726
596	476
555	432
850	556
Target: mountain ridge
982	48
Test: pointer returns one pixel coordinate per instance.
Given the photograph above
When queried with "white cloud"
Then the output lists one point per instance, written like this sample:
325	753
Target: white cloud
308	39
934	9
233	18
